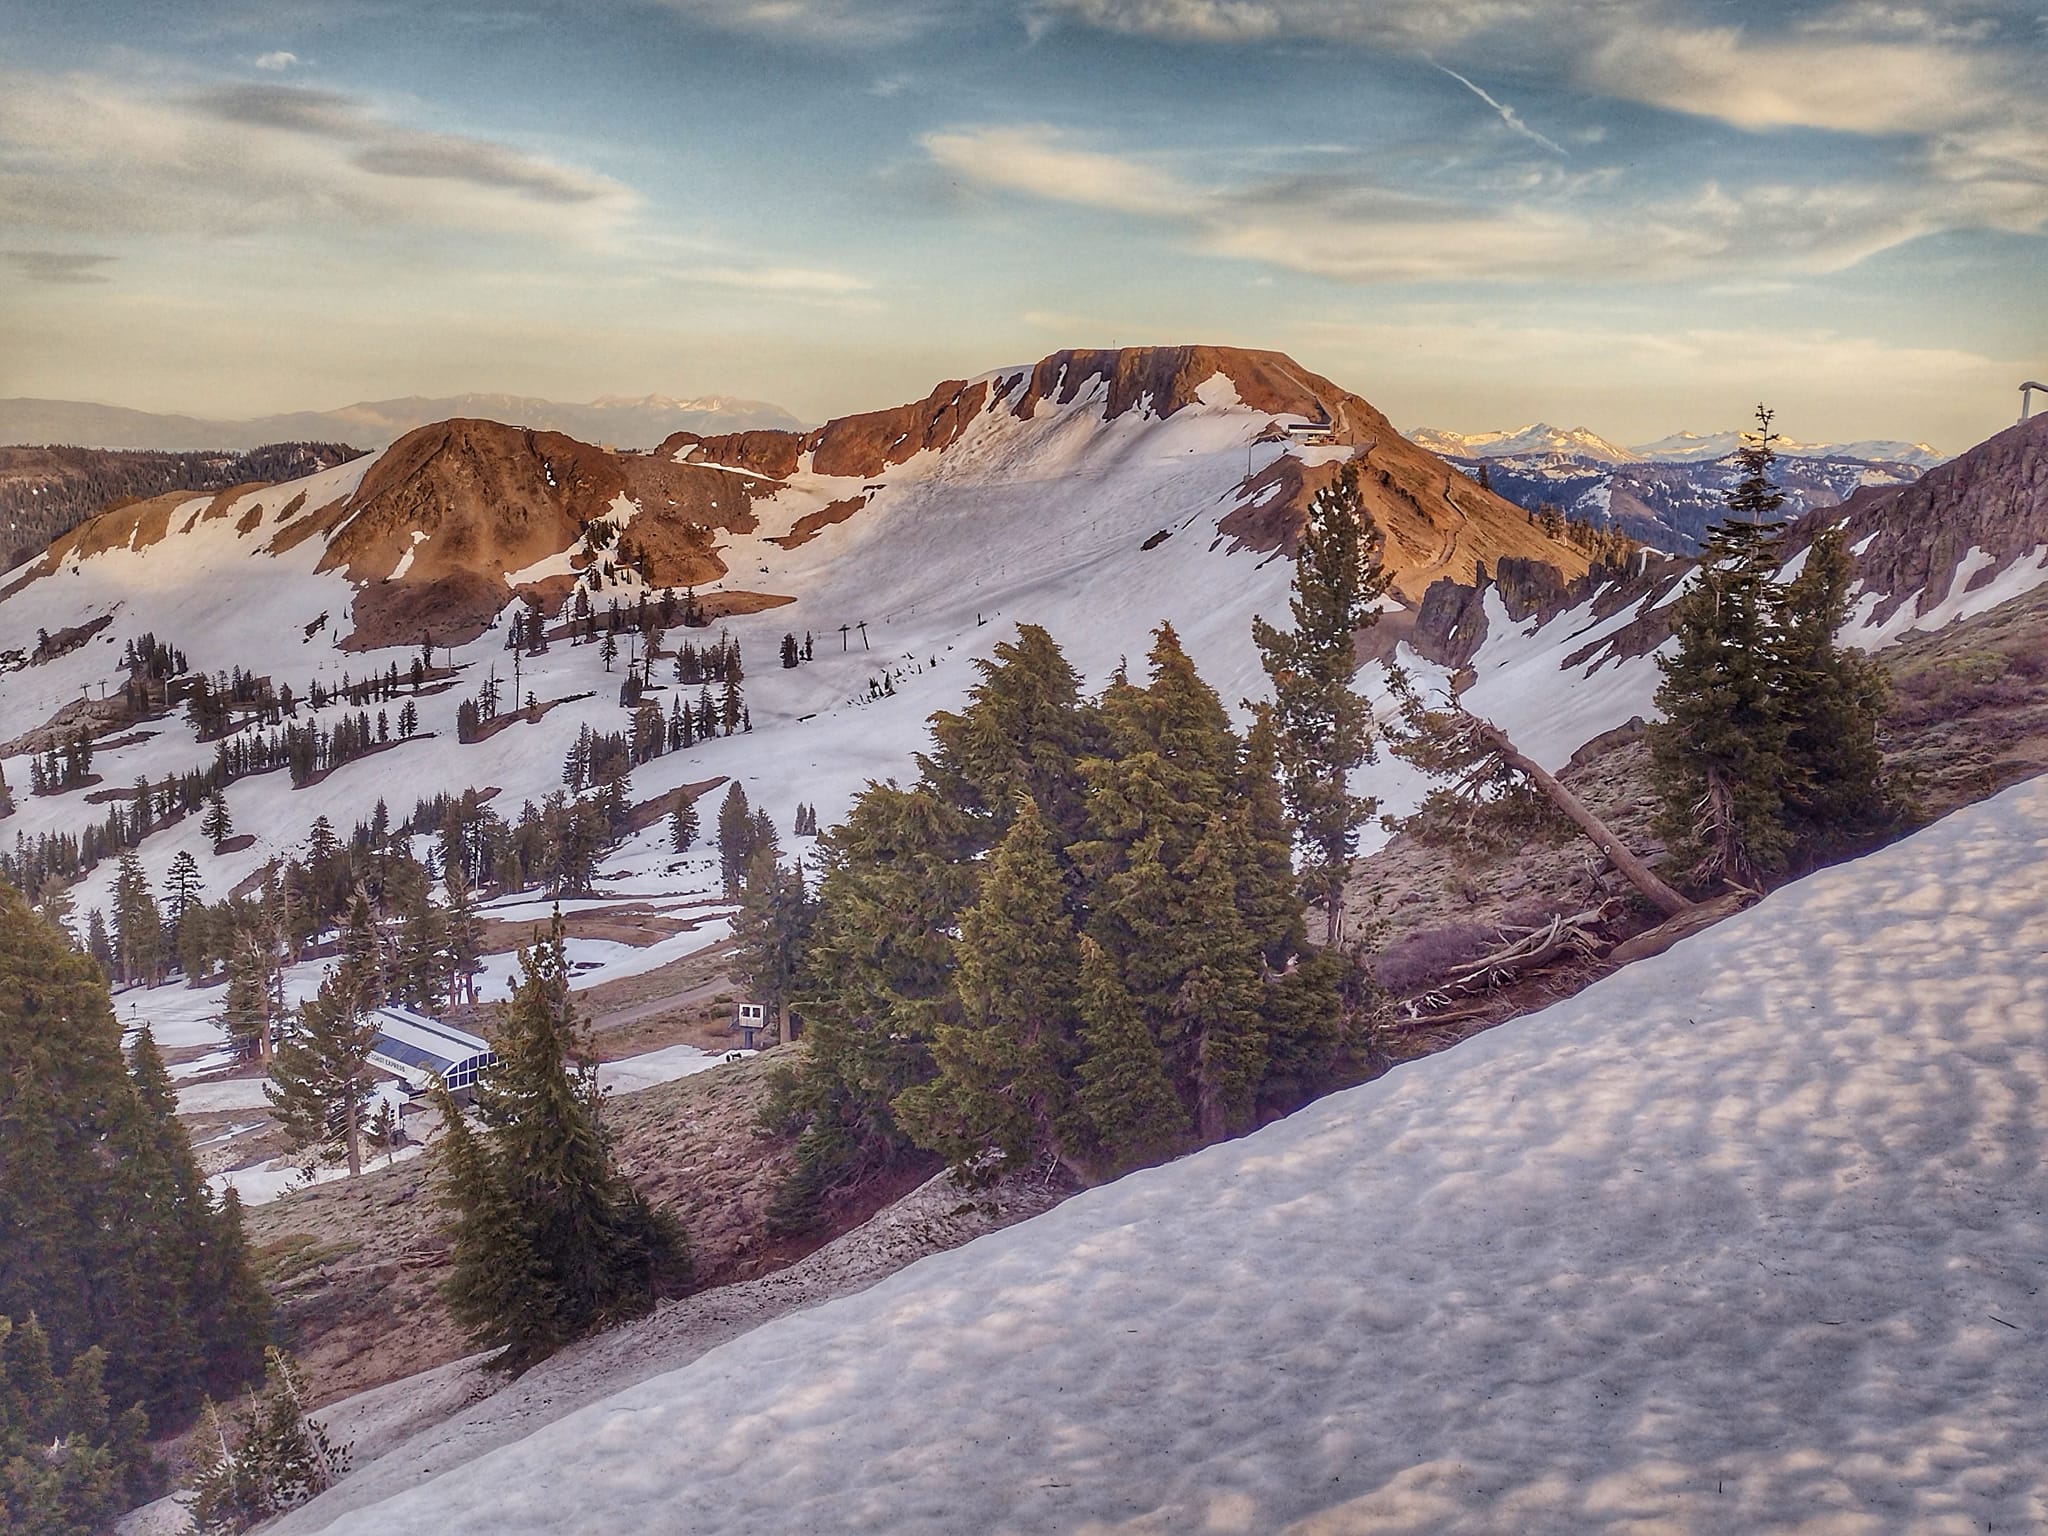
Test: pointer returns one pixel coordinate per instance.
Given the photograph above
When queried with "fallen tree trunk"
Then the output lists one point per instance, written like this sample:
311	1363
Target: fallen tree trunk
1633	869
1655	941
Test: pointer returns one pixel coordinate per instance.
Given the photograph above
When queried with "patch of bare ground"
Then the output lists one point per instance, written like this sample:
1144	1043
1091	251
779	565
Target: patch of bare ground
632	923
726	605
1969	718
354	1265
95	717
524	715
1970	704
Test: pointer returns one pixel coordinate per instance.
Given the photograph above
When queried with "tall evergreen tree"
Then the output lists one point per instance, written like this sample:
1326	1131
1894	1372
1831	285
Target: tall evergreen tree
875	982
111	1240
320	1077
550	1240
68	1467
736	836
1004	1066
138	926
1833	700
682	824
421	965
1124	1091
465	936
218	824
1324	728
769	932
1721	752
1023	733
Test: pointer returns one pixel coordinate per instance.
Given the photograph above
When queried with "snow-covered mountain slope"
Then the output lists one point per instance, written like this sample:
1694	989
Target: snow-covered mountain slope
1539	440
1746	1237
630	422
1095	494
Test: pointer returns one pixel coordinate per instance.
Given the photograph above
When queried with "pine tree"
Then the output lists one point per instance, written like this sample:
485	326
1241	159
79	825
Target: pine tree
874	985
550	1241
1832	700
275	1459
111	1240
1003	1084
182	887
422	964
736	837
769	931
682	825
465	936
138	925
218	824
1023	733
320	1076
67	1466
205	1252
1721	752
1324	728
1124	1092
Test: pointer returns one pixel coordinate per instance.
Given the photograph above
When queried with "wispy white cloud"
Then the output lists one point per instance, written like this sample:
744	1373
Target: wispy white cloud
777	279
1040	161
1506	113
88	155
1849	85
1396	23
277	61
1350	227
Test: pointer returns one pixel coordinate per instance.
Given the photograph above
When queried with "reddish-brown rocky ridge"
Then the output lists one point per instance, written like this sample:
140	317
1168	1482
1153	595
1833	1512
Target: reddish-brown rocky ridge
1436	522
473	500
854	446
1163	380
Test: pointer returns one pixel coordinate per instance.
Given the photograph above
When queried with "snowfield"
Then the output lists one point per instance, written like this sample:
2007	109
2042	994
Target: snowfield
1747	1237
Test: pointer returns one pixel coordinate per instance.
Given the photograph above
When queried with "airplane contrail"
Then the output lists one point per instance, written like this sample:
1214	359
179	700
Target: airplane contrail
1507	113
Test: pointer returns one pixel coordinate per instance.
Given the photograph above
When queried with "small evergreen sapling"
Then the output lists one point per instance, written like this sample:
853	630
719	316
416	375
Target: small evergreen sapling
271	1458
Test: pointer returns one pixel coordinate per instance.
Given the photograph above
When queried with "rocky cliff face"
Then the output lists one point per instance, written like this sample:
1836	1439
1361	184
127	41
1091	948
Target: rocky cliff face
1992	500
1972	525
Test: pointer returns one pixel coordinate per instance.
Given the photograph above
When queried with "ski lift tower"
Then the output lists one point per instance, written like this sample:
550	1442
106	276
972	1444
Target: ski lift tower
2027	398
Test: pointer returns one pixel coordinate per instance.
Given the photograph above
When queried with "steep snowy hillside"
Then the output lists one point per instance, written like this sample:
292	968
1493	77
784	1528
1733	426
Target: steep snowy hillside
1743	1238
1095	494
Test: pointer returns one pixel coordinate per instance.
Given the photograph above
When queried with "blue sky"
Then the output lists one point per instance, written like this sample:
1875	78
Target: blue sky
1635	215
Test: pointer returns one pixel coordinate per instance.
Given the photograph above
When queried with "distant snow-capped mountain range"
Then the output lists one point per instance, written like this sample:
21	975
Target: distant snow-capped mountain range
1665	494
1677	448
